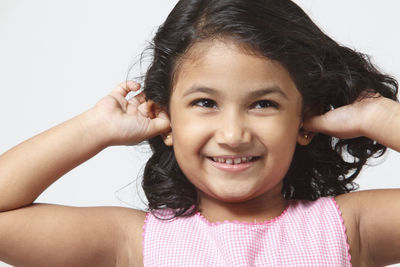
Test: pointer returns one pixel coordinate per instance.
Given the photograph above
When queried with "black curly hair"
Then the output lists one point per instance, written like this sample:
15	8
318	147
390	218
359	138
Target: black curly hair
327	75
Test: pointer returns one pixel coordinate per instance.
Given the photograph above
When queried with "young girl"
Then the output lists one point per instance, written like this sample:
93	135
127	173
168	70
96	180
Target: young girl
258	122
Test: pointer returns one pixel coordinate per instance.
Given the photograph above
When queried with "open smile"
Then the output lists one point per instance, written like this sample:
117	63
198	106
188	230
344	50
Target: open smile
233	163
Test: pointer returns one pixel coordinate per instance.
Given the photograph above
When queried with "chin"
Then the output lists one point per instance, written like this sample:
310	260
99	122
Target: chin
234	197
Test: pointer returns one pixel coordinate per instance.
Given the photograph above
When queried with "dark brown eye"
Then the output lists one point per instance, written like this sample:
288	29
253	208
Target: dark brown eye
265	104
205	103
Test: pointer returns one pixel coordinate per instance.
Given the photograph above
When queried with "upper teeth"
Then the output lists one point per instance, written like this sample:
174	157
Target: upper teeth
232	160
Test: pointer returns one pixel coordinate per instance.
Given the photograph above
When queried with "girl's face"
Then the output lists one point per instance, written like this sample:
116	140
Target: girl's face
235	121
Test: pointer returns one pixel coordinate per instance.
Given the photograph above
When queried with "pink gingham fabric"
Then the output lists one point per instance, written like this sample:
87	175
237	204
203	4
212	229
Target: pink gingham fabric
307	233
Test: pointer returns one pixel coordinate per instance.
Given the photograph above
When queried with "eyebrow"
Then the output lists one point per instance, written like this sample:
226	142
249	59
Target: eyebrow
254	94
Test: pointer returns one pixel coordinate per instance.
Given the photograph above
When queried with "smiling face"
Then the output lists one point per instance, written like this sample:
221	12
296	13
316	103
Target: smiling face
235	121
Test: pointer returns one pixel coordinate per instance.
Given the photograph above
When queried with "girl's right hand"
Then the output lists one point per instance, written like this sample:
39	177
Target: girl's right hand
122	121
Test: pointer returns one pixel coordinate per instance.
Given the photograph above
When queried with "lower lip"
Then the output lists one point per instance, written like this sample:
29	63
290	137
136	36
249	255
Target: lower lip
231	167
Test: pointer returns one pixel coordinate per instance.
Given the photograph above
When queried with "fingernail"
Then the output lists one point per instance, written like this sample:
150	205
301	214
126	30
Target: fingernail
135	93
132	83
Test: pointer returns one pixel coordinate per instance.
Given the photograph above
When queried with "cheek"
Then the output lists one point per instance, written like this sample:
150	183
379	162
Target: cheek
279	139
278	130
189	134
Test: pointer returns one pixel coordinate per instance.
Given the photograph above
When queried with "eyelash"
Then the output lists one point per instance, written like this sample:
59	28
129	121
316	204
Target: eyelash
268	103
203	100
208	103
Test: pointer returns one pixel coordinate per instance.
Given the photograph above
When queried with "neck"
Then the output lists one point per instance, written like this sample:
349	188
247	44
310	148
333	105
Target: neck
259	209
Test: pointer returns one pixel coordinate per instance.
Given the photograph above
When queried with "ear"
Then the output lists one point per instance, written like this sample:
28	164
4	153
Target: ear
304	137
154	111
167	137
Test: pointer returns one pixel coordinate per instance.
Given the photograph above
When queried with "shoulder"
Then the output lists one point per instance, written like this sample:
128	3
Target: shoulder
80	236
371	218
130	223
122	228
357	205
118	218
347	204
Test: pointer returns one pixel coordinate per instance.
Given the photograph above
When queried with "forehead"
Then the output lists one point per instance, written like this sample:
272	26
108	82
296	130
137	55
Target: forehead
226	64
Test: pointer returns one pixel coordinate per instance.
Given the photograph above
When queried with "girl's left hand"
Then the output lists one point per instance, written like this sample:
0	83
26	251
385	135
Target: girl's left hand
373	116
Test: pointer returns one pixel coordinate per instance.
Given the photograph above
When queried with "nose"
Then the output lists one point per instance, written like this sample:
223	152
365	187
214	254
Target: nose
232	131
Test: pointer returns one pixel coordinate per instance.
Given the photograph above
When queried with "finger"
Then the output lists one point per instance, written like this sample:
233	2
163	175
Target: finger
316	124
159	125
124	88
149	109
163	115
329	124
137	99
143	109
141	97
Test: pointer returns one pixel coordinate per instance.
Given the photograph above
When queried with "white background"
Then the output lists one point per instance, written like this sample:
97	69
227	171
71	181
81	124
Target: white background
57	58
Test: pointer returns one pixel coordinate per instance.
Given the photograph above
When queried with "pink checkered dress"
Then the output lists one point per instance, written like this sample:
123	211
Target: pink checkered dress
307	233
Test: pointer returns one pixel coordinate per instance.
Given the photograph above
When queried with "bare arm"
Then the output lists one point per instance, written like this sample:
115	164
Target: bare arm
50	235
66	236
376	212
377	118
29	168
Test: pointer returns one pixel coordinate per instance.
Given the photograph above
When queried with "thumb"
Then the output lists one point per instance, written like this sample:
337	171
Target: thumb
160	124
316	124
